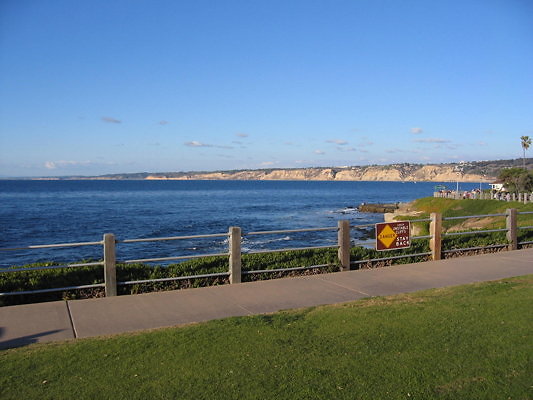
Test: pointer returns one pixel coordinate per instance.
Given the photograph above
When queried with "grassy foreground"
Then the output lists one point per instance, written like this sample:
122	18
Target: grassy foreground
467	342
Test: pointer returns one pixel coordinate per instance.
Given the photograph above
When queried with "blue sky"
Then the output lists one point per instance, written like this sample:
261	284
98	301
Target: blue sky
95	87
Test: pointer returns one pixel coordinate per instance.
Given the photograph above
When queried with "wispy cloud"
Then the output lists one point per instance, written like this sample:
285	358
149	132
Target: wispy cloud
62	163
365	142
242	135
393	151
346	148
163	122
320	152
416	131
69	163
431	140
196	143
111	120
339	142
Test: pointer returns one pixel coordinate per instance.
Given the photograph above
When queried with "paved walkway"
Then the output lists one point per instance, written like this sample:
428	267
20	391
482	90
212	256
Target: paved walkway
61	320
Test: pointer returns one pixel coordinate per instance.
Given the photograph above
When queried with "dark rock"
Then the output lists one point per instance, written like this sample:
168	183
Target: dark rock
378	207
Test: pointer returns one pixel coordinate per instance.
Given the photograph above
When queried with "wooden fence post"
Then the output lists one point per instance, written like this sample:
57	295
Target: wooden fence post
110	265
510	222
234	254
343	238
435	230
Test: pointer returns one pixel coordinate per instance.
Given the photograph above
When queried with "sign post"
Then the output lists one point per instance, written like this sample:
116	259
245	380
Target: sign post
393	235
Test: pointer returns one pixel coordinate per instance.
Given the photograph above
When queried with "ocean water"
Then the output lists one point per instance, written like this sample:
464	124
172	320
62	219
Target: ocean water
49	212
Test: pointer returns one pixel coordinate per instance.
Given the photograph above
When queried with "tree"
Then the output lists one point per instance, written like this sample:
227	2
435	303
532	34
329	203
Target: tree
526	142
516	179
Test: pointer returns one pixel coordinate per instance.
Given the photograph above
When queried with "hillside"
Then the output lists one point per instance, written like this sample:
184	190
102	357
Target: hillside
470	172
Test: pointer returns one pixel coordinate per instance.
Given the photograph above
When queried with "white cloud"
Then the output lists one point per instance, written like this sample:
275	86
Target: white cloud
111	120
416	131
346	148
65	163
195	143
431	140
392	151
319	152
339	142
365	142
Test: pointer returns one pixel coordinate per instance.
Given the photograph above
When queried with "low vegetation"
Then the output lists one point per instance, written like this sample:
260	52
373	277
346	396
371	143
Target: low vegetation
467	342
65	277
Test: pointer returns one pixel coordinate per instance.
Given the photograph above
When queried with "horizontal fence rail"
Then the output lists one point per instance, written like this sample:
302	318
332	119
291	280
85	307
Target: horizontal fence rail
290	249
140	260
52	246
234	238
473	232
390	258
334	228
473	216
213	235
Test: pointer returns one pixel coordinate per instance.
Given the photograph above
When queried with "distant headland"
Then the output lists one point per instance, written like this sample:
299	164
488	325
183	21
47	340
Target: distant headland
473	171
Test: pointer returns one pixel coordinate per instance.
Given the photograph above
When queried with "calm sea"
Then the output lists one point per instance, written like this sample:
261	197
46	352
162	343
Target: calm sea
48	212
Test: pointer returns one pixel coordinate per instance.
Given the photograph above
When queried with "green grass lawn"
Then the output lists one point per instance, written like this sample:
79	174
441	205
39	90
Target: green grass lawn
467	342
455	208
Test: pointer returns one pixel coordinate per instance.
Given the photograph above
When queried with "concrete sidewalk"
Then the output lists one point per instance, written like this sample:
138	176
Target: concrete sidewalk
60	320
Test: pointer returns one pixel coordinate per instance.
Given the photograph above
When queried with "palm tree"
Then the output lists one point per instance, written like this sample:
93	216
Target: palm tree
526	142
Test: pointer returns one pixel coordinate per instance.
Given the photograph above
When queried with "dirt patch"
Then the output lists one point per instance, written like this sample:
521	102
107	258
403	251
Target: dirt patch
392	300
459	384
474	223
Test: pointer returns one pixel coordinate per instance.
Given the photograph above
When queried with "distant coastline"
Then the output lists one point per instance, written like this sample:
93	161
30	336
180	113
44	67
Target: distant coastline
476	171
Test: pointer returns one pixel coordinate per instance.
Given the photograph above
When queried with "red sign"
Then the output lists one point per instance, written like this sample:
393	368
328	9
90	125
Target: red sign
393	235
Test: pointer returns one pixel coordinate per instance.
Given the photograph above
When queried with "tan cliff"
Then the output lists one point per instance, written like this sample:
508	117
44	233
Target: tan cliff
435	173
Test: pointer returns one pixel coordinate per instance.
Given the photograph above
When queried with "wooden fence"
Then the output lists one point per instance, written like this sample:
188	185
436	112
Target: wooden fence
477	195
235	236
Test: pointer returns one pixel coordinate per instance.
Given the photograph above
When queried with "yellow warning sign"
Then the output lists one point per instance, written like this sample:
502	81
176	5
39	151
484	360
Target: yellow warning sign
387	236
393	235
